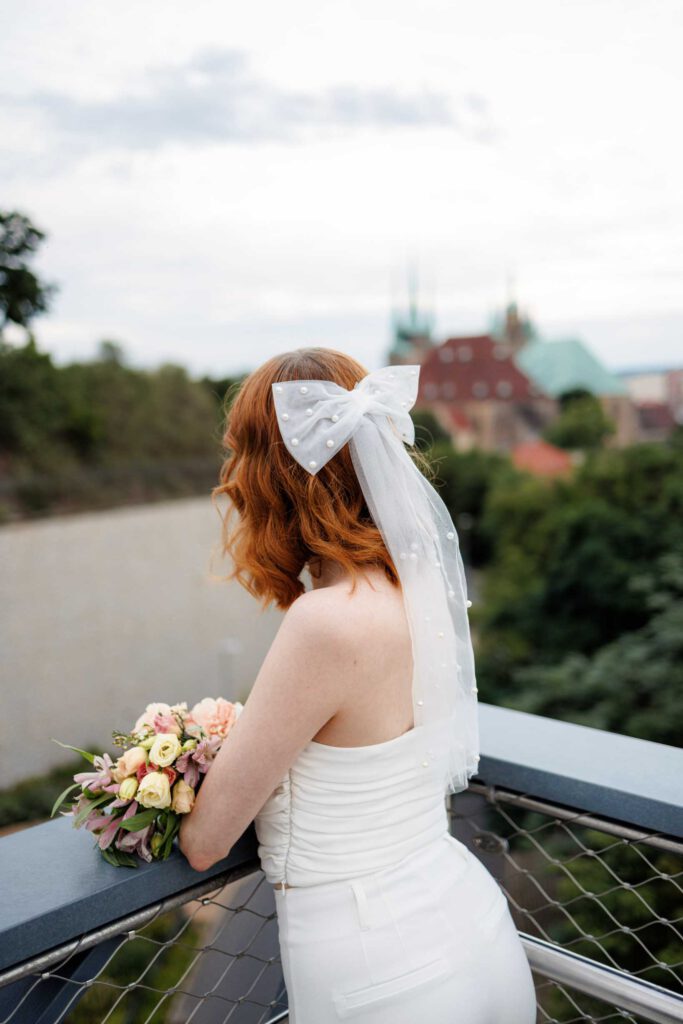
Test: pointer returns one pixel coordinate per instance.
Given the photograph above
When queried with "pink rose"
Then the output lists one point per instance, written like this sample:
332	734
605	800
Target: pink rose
216	717
167	723
147	718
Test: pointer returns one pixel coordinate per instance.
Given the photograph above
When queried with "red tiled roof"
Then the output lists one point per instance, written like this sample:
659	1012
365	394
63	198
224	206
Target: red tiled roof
471	368
541	458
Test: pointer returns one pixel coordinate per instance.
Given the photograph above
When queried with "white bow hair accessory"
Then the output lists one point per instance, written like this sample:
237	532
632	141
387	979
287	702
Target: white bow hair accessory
316	418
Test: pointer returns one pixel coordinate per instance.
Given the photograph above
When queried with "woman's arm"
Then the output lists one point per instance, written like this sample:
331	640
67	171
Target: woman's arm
298	689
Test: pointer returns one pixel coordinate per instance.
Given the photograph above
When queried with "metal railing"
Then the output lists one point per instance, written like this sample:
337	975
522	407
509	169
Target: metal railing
583	830
599	904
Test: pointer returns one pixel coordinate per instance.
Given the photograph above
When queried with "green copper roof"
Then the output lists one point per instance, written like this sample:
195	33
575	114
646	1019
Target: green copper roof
558	366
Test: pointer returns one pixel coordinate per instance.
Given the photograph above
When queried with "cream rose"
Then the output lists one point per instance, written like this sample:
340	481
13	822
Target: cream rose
129	763
165	749
154	790
183	797
128	789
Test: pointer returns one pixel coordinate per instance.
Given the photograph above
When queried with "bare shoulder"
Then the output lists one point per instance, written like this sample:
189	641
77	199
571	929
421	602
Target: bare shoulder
316	621
336	616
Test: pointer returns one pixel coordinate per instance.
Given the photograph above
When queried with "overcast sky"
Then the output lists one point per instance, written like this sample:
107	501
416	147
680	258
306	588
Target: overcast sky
221	182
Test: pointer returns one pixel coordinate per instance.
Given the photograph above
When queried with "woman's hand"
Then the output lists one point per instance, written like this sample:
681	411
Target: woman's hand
183	842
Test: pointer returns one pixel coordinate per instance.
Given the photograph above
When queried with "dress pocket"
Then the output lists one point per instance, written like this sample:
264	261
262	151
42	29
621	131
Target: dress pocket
393	989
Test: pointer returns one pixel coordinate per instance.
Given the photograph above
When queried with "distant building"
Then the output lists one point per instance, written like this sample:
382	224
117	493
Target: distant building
480	396
501	389
656	421
568	365
412	330
658	397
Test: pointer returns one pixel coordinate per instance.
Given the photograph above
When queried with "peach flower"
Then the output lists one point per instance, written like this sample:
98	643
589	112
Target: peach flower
183	797
216	717
129	763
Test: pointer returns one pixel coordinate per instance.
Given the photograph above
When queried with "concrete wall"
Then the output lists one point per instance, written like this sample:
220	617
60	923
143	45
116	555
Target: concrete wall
103	612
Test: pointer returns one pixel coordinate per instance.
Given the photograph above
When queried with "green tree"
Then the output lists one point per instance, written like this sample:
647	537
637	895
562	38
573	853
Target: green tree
464	481
581	424
22	295
32	405
632	685
564	557
428	430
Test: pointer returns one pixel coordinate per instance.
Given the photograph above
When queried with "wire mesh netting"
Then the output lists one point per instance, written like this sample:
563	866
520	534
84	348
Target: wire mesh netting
211	955
595	887
212	958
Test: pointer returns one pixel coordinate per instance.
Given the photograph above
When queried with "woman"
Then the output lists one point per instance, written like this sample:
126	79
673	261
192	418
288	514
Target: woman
363	715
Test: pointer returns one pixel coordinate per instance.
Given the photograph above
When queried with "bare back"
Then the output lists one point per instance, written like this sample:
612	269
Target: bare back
377	694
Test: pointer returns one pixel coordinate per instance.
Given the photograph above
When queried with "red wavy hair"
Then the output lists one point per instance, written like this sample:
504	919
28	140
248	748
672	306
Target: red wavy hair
285	514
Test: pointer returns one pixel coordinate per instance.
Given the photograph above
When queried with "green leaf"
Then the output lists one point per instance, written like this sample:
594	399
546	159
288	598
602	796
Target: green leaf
169	835
110	857
119	858
139	821
88	756
128	860
62	796
172	820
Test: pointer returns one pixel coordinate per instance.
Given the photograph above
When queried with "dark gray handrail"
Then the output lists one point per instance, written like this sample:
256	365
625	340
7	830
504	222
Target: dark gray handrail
60	887
56	886
634	781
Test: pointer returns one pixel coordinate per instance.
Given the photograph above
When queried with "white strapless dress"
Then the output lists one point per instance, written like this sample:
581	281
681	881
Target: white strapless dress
389	918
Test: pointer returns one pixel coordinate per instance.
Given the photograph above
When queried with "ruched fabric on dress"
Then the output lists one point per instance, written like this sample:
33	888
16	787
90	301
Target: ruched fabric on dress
345	811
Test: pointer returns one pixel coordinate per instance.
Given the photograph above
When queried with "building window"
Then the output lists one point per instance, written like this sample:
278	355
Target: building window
480	389
464	353
448	389
499	352
446	355
430	391
504	388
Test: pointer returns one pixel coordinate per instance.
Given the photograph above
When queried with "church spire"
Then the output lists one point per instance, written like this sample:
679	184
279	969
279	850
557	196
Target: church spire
412	331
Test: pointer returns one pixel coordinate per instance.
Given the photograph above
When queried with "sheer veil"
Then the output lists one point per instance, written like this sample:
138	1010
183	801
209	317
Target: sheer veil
316	418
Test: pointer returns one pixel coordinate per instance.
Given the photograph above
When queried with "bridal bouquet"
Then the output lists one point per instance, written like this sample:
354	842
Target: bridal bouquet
134	805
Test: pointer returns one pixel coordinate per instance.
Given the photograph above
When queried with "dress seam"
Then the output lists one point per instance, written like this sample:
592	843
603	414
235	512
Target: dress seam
289	827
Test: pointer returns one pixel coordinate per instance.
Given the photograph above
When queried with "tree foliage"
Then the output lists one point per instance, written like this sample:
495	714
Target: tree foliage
634	684
582	423
574	623
22	294
102	418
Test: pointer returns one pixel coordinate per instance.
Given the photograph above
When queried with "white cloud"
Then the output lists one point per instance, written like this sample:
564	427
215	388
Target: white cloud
207	176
